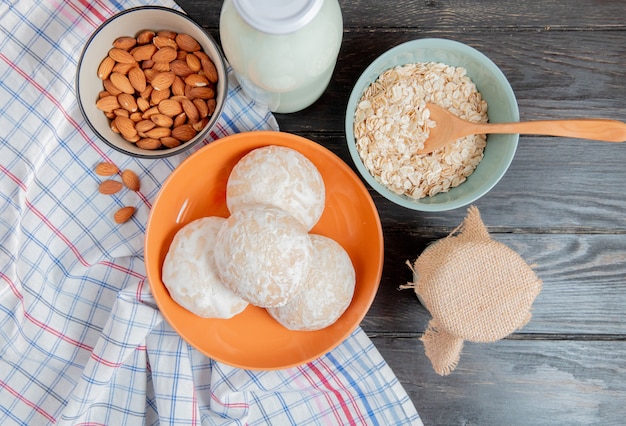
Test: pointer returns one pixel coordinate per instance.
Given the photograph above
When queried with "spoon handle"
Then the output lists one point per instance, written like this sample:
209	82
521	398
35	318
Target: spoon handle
599	129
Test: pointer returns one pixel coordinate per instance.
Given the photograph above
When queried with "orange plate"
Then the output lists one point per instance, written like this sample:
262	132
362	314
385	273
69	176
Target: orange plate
253	339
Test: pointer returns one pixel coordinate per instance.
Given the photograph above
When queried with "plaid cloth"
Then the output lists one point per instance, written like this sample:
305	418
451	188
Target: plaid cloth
81	339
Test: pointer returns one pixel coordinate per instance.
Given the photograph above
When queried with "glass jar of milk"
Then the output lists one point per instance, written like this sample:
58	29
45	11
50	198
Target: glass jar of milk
283	52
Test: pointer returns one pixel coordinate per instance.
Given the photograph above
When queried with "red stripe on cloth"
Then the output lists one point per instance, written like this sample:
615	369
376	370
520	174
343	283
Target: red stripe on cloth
105	362
89	6
14	178
27	402
13	287
305	373
331	372
338	394
229	404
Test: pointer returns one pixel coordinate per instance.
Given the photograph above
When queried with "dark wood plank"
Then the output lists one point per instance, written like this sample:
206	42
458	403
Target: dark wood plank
511	382
455	15
584	290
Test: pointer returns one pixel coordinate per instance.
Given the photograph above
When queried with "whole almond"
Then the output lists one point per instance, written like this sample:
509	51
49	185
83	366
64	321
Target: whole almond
159	95
144	52
170	142
184	133
105	68
161	66
121	112
170	107
124	214
124	43
163	80
161	42
137	79
149	143
180	119
196	80
136	116
193	62
201	106
158	132
150	74
199	125
127	102
149	112
109	187
208	67
211	105
110	87
131	180
180	68
126	126
167	34
145	37
178	87
143	104
146	94
106	169
107	104
144	125
201	92
162	120
190	109
123	68
122	56
122	83
164	54
187	43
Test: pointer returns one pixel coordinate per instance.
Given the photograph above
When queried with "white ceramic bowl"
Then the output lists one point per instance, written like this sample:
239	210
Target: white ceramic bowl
495	89
129	23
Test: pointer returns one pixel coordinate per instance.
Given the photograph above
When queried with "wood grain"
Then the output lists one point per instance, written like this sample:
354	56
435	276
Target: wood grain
561	206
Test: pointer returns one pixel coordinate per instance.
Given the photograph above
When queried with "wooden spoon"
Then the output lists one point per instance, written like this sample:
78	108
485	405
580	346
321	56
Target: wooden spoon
449	128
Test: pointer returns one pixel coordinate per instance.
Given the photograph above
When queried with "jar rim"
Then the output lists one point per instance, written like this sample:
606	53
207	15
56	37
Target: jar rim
278	16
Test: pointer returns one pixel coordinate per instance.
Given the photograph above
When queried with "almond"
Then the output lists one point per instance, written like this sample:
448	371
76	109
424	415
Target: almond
123	68
149	143
144	52
158	132
167	34
196	80
180	68
199	125
144	125
131	180
106	169
208	67
109	187
180	119
107	104
122	56
146	93
150	111
190	109
122	83
163	80
159	95
201	92
127	102
193	62
124	214
201	106
161	66
161	42
137	79
184	133
143	104
124	43
126	126
105	68
170	107
110	87
136	116
187	43
162	120
164	54
145	37
178	87
170	142
121	112
211	105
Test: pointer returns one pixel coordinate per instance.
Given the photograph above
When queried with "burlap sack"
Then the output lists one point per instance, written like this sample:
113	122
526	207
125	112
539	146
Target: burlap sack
475	288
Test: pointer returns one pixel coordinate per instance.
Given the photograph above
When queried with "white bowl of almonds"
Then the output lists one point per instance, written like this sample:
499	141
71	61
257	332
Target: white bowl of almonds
151	82
387	122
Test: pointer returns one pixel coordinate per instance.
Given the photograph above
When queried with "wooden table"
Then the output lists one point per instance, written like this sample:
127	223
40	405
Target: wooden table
561	206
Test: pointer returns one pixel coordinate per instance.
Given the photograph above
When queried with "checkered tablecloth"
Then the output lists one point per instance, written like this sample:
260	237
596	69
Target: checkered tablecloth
81	339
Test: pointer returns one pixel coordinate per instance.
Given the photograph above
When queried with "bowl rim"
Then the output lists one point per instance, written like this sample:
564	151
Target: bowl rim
280	138
414	45
163	153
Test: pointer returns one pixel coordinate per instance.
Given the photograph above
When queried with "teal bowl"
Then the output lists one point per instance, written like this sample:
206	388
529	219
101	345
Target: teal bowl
495	89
